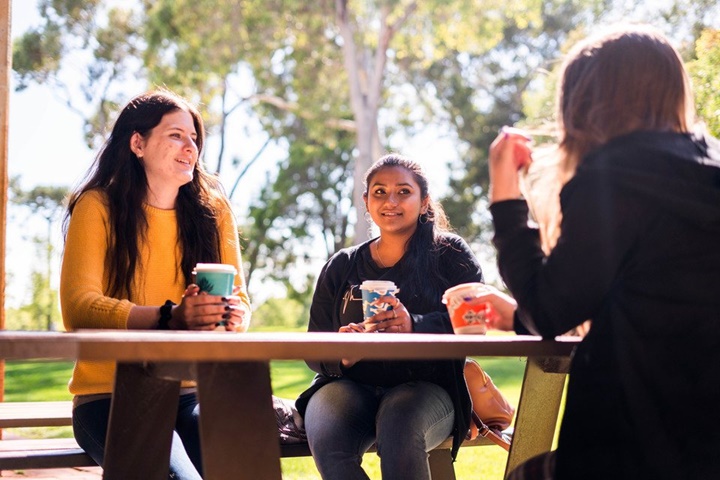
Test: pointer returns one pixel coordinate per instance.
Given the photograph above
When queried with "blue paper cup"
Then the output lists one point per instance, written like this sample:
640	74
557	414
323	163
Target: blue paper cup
215	278
372	290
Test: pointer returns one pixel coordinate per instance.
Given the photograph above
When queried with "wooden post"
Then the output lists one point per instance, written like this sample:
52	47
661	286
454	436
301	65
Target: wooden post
5	69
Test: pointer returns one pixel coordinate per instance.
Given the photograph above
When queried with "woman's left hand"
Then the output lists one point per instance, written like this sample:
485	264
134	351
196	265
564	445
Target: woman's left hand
397	320
239	315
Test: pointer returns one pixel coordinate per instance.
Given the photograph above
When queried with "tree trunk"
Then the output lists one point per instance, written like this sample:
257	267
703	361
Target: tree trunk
366	73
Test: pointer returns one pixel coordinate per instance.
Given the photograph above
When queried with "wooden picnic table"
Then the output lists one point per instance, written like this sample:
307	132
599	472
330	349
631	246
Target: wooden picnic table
237	423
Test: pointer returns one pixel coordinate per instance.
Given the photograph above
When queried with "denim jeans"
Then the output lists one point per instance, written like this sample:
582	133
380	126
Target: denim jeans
90	421
344	418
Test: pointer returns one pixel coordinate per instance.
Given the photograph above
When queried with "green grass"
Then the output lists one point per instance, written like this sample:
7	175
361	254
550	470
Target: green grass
37	381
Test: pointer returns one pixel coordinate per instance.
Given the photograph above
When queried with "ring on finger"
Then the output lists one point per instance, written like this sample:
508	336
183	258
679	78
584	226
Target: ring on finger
394	313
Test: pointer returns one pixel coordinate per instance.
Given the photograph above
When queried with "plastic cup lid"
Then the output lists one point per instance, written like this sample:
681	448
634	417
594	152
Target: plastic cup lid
378	285
215	267
466	290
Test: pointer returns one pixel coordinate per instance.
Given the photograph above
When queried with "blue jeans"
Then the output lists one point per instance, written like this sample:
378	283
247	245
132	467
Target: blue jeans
344	418
90	421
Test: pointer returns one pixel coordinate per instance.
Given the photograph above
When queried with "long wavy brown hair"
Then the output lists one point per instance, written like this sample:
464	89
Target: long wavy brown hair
120	176
626	79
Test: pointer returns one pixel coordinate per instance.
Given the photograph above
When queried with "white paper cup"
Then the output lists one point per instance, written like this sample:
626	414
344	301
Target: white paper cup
215	278
466	314
372	290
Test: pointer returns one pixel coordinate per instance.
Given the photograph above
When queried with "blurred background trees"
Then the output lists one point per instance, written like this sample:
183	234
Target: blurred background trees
333	84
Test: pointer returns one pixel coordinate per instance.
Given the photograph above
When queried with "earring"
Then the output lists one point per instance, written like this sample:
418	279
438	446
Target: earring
368	218
423	219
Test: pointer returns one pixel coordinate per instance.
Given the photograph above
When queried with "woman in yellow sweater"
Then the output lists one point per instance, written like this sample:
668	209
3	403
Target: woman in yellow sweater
145	215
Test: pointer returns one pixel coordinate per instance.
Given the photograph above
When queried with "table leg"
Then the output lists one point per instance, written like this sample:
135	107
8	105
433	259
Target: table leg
142	419
238	430
538	410
441	465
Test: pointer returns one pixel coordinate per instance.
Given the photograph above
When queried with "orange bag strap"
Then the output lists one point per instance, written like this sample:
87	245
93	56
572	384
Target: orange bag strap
486	432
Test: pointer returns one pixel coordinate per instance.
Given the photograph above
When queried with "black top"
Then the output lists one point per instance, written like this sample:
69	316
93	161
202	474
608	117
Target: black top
639	254
337	301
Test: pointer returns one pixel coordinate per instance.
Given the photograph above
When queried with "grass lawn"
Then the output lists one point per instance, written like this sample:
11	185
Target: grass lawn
36	381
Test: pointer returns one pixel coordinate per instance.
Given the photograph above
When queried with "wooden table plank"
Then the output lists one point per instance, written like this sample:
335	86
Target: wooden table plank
123	345
149	363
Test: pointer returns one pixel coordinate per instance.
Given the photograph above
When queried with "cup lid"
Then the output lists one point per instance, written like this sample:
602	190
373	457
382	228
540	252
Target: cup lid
215	267
465	289
378	285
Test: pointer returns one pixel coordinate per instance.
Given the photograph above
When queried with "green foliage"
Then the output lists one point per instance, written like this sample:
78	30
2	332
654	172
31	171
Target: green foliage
483	90
705	73
68	27
47	202
279	312
466	67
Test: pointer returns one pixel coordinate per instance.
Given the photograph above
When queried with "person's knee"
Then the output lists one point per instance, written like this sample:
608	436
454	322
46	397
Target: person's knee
340	417
414	417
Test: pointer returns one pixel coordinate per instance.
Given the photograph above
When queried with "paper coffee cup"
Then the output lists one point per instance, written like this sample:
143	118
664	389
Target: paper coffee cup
372	290
467	315
215	278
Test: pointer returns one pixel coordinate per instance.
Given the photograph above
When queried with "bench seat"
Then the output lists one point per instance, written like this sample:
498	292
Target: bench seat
35	414
21	454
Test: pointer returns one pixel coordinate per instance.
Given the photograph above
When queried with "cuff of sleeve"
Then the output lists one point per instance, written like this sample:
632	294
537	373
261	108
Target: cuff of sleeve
333	370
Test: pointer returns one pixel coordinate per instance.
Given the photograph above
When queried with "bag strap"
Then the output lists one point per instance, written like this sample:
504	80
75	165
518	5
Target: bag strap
490	434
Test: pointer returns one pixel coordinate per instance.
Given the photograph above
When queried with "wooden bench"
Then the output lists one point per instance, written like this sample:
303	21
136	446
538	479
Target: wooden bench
20	454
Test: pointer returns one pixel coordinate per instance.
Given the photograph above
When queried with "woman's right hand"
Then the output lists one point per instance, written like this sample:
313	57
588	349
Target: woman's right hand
198	310
351	328
509	153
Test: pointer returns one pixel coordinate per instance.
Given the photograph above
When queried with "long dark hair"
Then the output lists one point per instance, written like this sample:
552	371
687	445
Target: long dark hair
120	176
421	261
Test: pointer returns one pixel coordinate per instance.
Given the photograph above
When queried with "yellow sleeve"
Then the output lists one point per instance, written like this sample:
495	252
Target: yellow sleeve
83	277
230	249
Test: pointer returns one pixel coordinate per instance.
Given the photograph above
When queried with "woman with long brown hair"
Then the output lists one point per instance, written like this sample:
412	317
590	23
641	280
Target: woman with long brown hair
637	253
146	214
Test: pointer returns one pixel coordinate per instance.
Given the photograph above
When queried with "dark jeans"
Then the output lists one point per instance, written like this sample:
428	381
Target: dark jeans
344	418
90	421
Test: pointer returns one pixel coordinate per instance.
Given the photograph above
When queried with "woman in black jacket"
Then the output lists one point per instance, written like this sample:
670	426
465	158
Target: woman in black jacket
638	254
406	407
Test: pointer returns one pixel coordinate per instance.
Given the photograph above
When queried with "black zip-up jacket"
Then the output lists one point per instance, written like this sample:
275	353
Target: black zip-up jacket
639	254
337	302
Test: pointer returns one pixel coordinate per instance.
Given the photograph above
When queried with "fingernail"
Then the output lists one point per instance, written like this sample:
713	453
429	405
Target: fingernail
226	316
224	299
227	308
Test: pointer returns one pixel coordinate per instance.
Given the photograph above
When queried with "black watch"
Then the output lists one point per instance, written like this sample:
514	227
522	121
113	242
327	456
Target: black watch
165	315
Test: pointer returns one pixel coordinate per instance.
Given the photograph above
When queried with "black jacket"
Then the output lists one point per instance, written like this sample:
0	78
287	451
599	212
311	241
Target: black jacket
639	254
337	302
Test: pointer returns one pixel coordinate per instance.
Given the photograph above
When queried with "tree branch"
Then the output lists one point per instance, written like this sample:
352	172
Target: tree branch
282	104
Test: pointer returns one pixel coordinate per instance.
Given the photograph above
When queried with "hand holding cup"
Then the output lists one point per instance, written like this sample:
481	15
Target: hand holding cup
394	320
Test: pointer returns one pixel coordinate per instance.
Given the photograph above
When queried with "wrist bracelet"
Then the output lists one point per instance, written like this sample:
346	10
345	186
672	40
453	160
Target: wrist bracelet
165	315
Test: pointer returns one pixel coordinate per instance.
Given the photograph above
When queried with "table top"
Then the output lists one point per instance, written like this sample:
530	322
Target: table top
184	346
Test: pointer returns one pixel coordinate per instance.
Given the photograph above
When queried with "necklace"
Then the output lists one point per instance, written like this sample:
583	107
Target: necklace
377	254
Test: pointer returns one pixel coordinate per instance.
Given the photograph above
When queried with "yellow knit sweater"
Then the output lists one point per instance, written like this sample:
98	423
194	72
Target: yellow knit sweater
84	278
